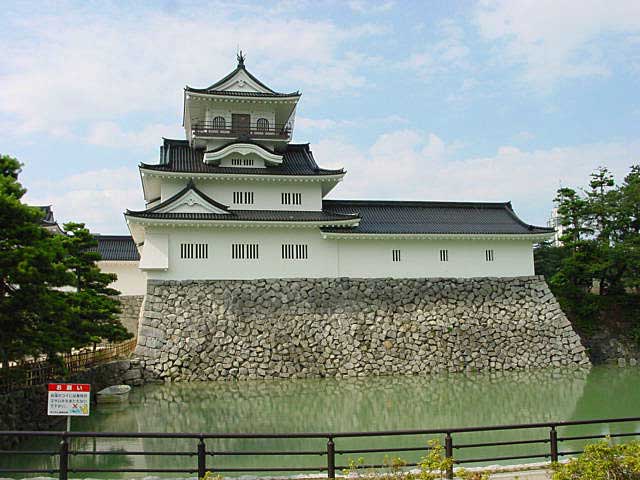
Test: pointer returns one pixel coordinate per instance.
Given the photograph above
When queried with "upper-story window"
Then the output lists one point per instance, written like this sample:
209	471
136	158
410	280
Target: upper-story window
243	198
291	198
242	162
262	125
219	123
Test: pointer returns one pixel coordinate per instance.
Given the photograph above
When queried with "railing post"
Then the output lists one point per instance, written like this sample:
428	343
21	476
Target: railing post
553	441
448	453
64	458
331	458
202	458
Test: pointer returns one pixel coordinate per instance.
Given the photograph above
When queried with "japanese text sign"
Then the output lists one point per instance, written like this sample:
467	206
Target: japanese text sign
70	399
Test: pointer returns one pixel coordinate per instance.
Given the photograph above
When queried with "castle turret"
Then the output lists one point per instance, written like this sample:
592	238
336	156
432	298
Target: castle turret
238	107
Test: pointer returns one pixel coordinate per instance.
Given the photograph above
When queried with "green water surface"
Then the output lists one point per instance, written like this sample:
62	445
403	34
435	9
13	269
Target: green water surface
338	405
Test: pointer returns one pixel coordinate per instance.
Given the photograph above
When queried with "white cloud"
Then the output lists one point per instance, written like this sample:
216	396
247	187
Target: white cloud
63	72
109	134
447	54
97	198
369	7
409	164
554	39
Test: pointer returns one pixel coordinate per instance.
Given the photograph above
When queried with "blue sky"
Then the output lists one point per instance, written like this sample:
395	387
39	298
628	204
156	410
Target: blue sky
436	100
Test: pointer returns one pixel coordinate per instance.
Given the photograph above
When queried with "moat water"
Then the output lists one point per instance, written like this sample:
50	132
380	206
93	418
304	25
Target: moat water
348	405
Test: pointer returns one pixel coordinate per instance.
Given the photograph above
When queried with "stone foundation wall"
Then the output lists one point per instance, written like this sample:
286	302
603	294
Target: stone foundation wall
131	306
199	330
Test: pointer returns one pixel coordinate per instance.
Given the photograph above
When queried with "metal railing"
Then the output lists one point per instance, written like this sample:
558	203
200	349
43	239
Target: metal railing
202	454
38	372
271	130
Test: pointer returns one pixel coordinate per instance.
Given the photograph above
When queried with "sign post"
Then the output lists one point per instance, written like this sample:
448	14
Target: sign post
70	400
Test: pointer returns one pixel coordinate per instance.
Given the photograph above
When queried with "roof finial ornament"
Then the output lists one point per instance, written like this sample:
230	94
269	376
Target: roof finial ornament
240	56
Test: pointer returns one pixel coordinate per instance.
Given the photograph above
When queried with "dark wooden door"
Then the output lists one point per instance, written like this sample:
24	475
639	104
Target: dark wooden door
240	123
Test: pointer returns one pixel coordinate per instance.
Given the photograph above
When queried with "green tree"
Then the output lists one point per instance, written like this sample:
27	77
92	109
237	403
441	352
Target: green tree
93	304
33	310
548	259
601	241
53	296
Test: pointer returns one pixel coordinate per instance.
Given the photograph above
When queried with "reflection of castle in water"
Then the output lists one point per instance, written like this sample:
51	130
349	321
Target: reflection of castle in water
378	403
375	403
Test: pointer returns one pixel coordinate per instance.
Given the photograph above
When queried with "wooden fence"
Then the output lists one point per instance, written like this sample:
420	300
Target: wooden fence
39	372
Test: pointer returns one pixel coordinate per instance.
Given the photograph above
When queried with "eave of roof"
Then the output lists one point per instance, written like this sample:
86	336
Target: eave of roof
386	219
116	248
297	161
233	93
212	89
265	216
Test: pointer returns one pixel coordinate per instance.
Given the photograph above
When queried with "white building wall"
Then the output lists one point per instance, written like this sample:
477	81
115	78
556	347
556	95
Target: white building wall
421	258
267	196
131	280
322	261
336	258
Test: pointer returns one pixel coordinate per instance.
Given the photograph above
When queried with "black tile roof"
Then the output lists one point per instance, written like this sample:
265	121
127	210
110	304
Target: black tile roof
249	215
397	217
117	247
190	186
241	94
47	211
213	89
236	215
178	156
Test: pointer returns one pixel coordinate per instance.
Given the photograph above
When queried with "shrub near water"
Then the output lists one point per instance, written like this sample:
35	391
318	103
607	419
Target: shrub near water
602	461
433	466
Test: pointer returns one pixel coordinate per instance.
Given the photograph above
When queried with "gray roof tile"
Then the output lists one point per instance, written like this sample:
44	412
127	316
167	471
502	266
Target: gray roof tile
389	217
117	248
249	215
178	156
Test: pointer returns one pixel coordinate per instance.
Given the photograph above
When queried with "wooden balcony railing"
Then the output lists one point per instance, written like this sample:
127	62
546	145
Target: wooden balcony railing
280	131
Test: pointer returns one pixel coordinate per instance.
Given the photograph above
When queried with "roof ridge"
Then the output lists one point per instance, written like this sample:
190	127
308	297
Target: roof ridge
241	67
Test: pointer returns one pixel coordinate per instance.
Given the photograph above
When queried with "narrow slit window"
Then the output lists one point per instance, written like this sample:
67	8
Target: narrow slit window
293	251
395	255
444	255
244	251
488	255
194	251
289	198
243	198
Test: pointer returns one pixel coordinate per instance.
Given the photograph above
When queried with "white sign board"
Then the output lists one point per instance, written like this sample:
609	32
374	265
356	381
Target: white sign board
69	399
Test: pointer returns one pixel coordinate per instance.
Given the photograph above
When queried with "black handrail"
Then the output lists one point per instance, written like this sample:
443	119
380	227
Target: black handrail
202	454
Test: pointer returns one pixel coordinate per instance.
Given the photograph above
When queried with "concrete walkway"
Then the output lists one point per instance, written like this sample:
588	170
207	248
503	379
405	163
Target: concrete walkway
527	475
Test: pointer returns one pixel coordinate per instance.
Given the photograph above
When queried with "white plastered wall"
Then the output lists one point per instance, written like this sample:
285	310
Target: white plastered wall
267	195
131	280
336	258
219	264
421	258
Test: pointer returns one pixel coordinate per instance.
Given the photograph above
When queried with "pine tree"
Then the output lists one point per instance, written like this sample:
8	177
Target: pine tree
53	296
33	309
94	307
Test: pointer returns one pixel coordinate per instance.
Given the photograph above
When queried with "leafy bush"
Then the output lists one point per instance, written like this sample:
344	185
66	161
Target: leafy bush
602	461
